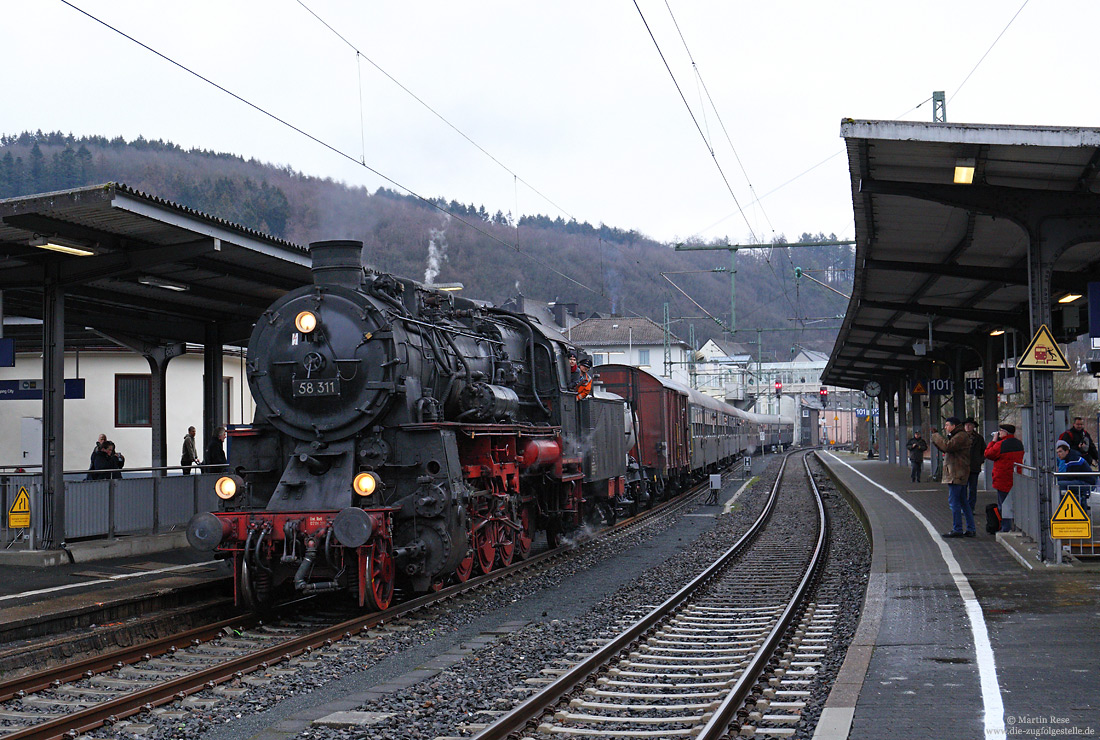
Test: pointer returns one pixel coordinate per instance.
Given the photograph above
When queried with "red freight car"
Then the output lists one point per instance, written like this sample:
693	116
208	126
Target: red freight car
662	448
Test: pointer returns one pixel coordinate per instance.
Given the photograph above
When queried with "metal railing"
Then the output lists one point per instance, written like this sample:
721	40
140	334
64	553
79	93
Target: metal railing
132	504
1023	507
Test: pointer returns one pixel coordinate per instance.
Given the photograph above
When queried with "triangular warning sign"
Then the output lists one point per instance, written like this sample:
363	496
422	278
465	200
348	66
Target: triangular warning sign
1070	522
19	515
22	503
918	388
1043	353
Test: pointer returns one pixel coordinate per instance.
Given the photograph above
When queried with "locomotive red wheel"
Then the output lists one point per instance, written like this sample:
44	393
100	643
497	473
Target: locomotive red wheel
526	535
465	569
505	540
485	551
380	577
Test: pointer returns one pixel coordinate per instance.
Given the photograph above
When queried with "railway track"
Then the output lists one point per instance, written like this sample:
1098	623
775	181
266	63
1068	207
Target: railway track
76	698
706	662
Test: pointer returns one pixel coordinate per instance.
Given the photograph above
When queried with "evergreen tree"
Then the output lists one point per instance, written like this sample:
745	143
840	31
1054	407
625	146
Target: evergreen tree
38	180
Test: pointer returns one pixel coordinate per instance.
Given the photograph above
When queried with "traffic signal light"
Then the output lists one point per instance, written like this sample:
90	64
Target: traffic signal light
778	388
824	397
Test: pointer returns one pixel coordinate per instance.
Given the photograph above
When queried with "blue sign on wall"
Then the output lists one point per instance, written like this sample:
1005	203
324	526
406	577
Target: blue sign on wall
31	390
7	352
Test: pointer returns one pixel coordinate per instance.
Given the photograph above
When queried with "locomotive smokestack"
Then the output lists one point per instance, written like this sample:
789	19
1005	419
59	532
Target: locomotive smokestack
338	262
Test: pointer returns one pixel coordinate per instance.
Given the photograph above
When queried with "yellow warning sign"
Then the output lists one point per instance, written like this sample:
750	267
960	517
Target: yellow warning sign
19	515
918	388
1043	353
1070	522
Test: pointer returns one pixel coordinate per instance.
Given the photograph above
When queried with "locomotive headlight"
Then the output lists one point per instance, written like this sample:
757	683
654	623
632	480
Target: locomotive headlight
305	322
228	486
366	484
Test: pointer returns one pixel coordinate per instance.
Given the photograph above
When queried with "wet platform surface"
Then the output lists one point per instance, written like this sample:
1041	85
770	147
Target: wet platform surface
29	593
1032	633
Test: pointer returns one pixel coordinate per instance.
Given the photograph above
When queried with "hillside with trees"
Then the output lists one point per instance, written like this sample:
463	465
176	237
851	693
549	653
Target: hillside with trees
496	255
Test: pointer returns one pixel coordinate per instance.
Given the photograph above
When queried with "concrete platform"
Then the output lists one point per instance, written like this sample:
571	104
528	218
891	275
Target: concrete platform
960	637
31	594
91	550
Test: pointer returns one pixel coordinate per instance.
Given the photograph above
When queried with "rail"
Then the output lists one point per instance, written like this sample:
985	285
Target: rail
86	719
517	719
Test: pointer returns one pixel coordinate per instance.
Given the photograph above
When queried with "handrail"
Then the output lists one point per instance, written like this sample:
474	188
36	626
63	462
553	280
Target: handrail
4	469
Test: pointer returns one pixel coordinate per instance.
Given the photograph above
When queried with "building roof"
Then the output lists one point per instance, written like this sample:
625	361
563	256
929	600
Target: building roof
160	270
620	330
730	349
952	259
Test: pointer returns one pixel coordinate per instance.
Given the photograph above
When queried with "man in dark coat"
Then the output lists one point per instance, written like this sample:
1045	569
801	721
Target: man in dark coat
956	471
916	447
1080	441
106	462
977	460
1005	451
215	453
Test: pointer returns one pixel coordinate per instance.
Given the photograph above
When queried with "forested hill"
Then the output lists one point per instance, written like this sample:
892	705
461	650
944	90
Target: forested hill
601	268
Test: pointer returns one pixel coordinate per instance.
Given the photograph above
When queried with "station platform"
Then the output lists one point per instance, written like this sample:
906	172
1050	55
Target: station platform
960	637
76	595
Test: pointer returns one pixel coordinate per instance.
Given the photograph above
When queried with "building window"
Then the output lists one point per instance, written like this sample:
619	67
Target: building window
643	357
599	358
133	400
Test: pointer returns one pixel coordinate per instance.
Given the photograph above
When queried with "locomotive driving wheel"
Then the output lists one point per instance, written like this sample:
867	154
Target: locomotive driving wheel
485	551
526	535
505	541
379	576
465	568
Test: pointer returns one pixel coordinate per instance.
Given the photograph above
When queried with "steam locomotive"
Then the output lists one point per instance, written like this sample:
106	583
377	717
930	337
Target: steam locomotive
406	436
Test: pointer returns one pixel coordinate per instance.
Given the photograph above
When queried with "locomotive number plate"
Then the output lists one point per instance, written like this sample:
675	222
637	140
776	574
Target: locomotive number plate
316	387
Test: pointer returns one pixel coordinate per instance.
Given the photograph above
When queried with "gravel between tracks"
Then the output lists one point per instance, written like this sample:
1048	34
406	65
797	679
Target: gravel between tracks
545	618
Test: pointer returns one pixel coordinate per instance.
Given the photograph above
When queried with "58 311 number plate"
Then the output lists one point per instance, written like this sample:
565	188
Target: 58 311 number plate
315	387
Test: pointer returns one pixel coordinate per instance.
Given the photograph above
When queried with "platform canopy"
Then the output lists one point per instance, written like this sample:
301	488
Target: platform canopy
140	265
933	255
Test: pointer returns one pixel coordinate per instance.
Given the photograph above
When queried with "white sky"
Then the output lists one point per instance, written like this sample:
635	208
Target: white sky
570	95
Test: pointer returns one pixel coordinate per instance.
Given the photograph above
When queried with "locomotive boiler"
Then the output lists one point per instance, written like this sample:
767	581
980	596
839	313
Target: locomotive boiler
403	436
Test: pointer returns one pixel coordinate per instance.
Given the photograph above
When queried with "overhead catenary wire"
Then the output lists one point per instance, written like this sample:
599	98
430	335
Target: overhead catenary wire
695	120
434	112
332	148
718	116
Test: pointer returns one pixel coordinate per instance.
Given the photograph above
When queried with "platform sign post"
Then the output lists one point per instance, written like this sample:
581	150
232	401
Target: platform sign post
1070	521
19	515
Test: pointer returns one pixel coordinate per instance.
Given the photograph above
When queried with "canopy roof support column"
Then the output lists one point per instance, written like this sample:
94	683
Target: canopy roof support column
990	411
212	400
53	411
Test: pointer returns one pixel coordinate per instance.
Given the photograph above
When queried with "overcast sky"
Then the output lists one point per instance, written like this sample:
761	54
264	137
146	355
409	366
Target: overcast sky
572	97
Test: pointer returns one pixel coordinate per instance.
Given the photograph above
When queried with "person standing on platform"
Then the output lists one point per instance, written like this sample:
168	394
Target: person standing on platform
977	460
1080	441
98	446
1071	462
190	454
1005	451
916	447
956	471
215	453
106	462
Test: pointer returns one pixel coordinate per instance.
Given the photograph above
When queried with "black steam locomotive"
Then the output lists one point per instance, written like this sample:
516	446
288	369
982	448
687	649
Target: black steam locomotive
407	436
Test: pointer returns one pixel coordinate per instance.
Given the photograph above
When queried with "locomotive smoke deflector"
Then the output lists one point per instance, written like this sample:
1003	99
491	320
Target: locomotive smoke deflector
338	262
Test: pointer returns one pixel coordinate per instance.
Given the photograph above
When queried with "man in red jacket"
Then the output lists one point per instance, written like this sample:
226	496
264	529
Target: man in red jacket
1005	451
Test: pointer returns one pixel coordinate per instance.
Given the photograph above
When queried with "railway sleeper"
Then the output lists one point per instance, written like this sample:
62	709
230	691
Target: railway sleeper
694	719
548	729
582	704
